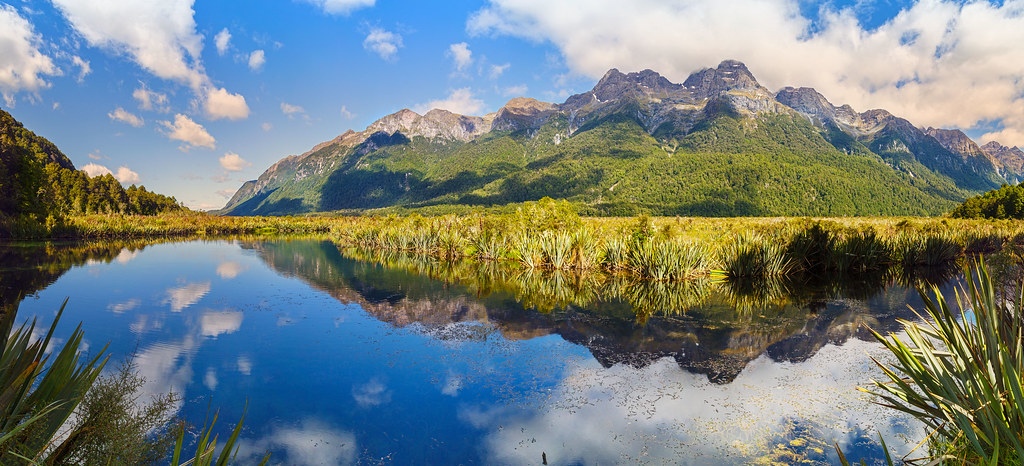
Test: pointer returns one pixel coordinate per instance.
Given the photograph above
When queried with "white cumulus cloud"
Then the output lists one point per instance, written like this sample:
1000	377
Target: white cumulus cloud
232	162
126	175
95	169
158	35
459	101
936	63
256	59
340	6
383	42
191	133
222	40
461	55
22	65
124	116
220	103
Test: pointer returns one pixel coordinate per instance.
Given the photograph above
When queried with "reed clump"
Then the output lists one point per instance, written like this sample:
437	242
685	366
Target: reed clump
547	235
960	371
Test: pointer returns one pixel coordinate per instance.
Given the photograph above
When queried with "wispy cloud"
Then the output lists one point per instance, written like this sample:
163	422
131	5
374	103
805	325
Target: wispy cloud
340	6
223	41
383	42
150	100
461	55
461	101
124	116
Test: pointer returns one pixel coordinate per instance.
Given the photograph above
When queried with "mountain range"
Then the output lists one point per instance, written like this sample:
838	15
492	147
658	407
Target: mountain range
719	144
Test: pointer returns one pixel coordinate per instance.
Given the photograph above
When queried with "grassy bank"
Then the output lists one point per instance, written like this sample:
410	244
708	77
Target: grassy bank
189	224
549	237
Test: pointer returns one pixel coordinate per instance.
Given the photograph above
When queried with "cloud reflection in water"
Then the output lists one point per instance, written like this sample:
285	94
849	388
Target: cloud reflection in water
215	323
310	443
184	296
661	413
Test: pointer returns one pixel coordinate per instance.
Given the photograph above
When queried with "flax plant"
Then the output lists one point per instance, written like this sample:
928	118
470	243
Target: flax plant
963	377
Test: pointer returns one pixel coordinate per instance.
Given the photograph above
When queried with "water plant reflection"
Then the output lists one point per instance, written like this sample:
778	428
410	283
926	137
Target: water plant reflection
551	290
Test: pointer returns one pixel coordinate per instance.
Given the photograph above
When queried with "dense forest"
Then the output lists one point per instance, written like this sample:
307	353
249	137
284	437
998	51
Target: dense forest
38	182
1003	203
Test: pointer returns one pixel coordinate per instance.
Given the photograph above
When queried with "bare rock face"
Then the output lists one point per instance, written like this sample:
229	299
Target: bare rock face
437	123
1010	158
735	84
956	141
522	113
729	76
812	104
809	102
401	120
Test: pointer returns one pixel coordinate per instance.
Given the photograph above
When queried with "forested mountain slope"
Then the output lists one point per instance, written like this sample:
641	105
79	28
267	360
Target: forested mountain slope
719	144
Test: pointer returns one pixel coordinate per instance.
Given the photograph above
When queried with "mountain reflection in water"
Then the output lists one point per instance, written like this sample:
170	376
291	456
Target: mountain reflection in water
352	356
709	328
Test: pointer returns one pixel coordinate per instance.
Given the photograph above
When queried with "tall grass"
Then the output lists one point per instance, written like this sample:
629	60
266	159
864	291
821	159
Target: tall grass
667	250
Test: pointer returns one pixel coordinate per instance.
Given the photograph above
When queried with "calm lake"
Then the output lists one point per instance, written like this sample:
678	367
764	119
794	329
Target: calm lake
348	358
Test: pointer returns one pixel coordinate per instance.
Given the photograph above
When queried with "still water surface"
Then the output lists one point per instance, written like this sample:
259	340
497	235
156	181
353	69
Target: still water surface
345	361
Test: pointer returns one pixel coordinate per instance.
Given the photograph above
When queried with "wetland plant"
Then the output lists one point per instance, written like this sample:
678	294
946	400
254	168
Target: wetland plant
961	375
746	257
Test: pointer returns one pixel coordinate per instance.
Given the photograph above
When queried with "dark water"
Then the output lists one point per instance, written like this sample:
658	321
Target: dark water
343	360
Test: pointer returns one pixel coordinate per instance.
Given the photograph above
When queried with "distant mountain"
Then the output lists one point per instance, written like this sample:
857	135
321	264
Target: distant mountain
1010	159
719	144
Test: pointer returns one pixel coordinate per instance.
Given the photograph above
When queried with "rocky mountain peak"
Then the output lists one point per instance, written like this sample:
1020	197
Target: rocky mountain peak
997	147
401	120
525	105
730	75
1010	158
615	85
807	101
956	141
521	113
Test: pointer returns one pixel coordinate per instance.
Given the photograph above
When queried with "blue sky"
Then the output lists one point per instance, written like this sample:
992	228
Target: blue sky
193	97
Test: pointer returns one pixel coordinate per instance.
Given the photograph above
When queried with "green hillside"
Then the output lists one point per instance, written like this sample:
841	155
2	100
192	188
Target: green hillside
726	165
37	181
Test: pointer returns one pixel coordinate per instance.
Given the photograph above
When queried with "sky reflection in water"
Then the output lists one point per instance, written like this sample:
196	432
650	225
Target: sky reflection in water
343	361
